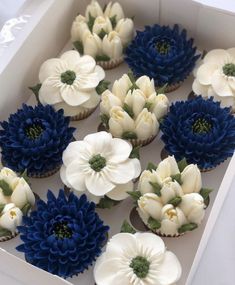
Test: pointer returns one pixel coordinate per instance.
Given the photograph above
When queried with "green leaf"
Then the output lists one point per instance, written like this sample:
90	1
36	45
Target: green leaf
177	177
162	89
102	34
106	203
129	110
156	188
129	135
148	105
182	164
2	207
79	46
6	188
4	232
154	224
26	209
91	22
135	153
131	77
187	227
25	176
175	201
127	228
135	195
205	192
35	90
102	57
113	21
103	85
105	120
151	166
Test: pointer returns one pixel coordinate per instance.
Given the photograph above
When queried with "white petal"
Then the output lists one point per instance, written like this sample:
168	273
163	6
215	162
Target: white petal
49	68
86	64
100	142
205	72
49	94
200	89
93	101
120	191
120	150
75	176
231	81
99	70
71	56
169	228
73	96
98	184
120	243
63	176
149	240
87	81
217	56
220	84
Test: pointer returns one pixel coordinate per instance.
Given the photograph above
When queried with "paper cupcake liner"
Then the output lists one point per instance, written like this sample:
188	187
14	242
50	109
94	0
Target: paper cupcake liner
83	115
45	174
111	63
6	238
138	142
168	236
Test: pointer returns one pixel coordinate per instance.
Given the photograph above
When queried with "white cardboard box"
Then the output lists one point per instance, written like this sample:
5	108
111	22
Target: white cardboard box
45	36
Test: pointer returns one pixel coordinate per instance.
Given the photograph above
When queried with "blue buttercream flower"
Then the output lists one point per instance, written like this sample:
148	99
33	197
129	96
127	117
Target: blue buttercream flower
162	53
199	130
64	236
34	139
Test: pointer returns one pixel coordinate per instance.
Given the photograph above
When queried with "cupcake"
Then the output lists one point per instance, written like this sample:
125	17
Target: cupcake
64	236
170	198
72	83
103	33
133	109
162	53
199	130
16	199
100	166
34	138
140	258
215	76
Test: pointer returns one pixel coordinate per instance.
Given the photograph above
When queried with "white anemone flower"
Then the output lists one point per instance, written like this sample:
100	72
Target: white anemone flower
70	82
137	259
215	76
100	165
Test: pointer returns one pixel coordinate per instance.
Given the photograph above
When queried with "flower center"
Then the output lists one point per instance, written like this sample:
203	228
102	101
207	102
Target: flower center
229	69
163	47
97	162
201	126
68	77
61	230
140	266
34	131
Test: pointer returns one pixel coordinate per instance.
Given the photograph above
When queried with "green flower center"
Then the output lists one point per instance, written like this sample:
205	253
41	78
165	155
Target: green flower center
201	126
61	230
68	77
229	69
140	266
97	162
163	47
34	131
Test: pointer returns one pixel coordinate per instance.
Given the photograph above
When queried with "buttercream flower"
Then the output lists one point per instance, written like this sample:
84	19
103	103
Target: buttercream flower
170	199
70	82
64	236
215	76
132	110
162	53
10	219
34	139
100	166
103	34
199	130
139	258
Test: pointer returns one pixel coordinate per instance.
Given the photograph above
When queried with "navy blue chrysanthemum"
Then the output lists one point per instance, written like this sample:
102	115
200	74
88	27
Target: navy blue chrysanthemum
64	236
199	130
162	53
34	139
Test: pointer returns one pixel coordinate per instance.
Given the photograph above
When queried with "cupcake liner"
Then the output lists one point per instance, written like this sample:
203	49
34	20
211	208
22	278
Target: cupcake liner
138	142
45	174
83	115
111	63
168	236
6	238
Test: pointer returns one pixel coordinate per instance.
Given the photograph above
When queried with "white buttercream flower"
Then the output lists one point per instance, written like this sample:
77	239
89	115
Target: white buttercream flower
193	207
9	176
146	85
191	179
80	30
92	45
121	87
139	259
94	10
112	45
108	100
10	217
170	190
146	125
70	79
161	106
114	10
136	100
100	165
22	194
215	76
167	168
125	30
146	178
102	24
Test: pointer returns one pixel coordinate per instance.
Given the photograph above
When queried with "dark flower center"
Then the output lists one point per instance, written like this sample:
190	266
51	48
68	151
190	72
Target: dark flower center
97	162
163	47
61	230
229	69
201	125
34	131
140	266
68	77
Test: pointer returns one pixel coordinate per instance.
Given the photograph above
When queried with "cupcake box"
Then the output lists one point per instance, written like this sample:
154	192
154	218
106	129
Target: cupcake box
54	43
